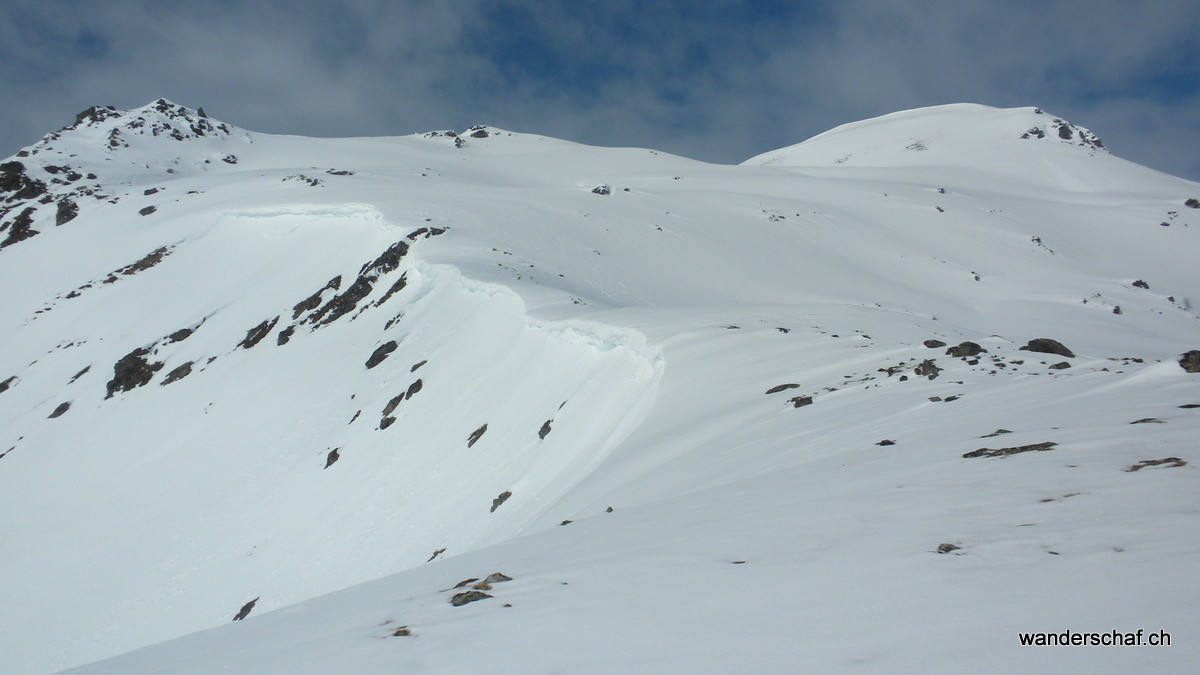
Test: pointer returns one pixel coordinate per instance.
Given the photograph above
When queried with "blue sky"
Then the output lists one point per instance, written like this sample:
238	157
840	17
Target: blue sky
720	80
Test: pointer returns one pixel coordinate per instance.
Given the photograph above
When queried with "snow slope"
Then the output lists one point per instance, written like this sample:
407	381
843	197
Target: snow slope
338	376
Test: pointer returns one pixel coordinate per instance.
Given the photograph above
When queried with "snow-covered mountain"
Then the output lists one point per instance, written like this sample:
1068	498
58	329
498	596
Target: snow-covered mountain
883	399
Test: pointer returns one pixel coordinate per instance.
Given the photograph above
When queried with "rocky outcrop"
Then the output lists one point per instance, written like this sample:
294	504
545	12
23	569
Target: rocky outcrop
381	352
965	349
245	610
476	435
132	370
500	499
1190	362
1004	452
927	368
1048	346
466	597
258	333
1065	132
178	373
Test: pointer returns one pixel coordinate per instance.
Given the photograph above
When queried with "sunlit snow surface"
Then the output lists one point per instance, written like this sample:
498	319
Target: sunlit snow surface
618	348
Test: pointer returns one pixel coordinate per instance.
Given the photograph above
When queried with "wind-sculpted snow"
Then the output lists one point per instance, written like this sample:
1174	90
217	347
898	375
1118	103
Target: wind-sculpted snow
310	212
249	430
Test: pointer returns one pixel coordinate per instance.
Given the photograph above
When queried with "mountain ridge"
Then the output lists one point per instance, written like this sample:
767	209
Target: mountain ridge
251	388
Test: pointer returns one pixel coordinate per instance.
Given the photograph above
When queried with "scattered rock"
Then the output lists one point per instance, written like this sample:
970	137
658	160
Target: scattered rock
131	371
343	303
66	212
1003	452
386	422
402	631
436	554
1192	203
1148	420
413	389
996	433
1166	461
178	373
417	365
285	335
565	522
20	227
545	430
1184	406
602	190
464	582
179	335
476	435
503	497
77	375
1141	284
782	387
4	386
461	599
948	547
149	260
927	368
13	179
800	401
382	352
1190	362
392	404
934	344
313	301
964	349
62	408
1061	365
608	510
148	210
256	334
245	610
1048	346
886	441
397	286
332	457
496	578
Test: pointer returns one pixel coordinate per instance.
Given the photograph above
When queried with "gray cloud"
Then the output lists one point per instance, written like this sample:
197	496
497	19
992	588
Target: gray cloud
718	81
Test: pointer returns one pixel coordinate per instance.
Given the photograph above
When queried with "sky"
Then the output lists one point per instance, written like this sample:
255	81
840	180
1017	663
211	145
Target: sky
719	80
